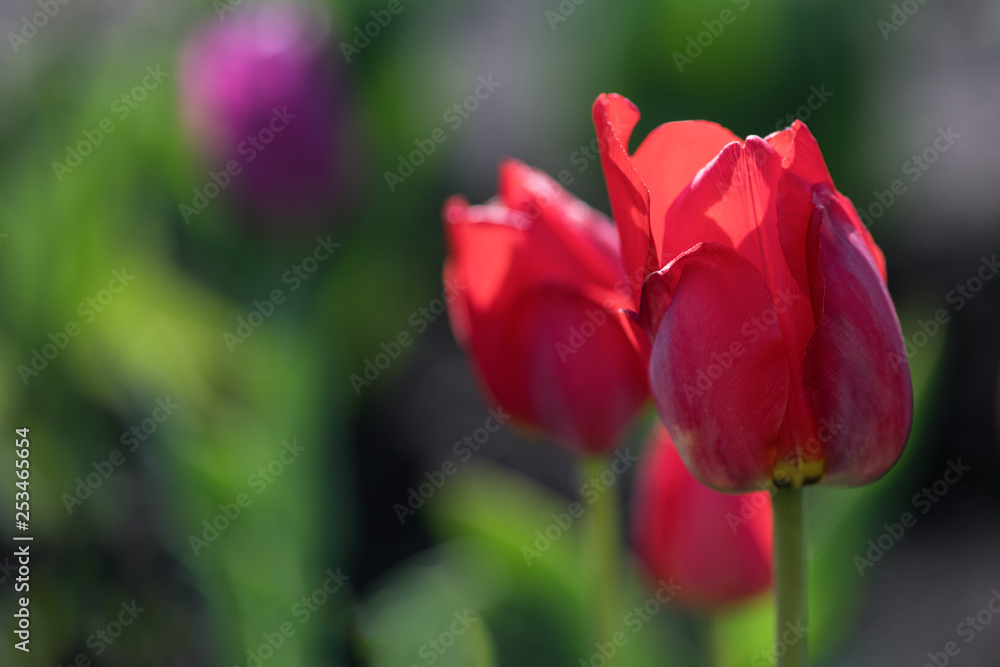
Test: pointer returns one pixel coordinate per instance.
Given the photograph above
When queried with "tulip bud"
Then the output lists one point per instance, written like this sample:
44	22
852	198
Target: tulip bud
263	103
540	310
715	546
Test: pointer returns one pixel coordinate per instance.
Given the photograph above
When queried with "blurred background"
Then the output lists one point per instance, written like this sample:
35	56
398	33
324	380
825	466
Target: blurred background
217	221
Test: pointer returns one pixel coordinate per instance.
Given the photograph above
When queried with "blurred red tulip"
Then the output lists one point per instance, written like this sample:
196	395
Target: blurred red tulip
716	546
777	353
541	289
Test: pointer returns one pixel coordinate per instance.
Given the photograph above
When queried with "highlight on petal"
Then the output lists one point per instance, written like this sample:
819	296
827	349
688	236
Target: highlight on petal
484	237
719	369
668	160
855	371
568	236
553	238
732	201
800	154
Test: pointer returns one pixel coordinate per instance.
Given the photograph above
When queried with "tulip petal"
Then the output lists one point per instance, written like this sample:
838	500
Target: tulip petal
716	545
614	119
800	153
669	159
573	239
484	237
804	168
862	229
719	368
540	288
551	237
734	202
565	365
855	371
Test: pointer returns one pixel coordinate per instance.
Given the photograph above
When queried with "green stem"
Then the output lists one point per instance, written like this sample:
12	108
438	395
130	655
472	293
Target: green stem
790	577
707	639
602	548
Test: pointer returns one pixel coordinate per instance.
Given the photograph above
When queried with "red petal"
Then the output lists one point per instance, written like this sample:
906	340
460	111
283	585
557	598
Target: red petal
734	202
574	365
483	237
718	373
856	222
855	371
569	238
534	275
800	153
667	161
804	169
614	119
716	545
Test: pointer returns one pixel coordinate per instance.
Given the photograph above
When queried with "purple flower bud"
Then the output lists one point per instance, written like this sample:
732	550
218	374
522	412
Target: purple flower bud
262	100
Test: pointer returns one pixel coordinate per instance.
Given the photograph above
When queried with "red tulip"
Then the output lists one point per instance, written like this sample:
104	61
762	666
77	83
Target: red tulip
541	289
716	546
777	353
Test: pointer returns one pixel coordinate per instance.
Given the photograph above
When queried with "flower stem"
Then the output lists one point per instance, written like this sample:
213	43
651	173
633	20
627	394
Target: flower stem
601	546
790	577
707	630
